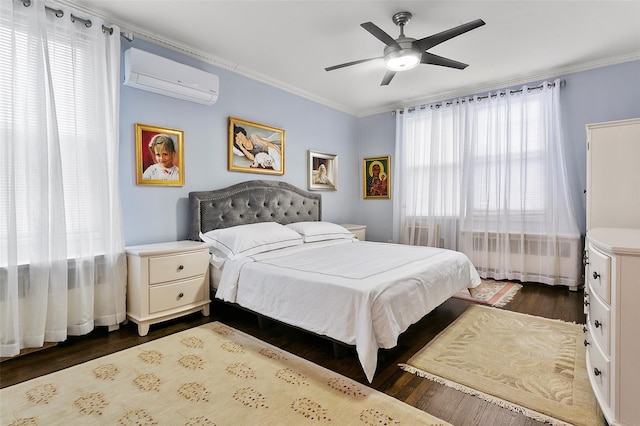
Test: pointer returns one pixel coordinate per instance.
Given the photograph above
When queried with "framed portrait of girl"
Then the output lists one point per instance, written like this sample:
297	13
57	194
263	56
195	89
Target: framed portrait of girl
159	156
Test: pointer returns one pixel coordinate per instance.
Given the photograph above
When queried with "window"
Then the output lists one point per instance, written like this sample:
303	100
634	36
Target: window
503	150
507	156
77	129
434	165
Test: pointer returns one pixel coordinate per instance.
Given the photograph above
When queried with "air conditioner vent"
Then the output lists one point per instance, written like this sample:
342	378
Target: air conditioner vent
153	73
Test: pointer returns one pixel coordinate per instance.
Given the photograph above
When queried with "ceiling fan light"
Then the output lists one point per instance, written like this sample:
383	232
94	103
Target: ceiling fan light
402	60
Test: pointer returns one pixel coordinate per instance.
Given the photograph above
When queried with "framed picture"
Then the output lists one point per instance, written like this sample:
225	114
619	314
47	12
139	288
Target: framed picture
255	148
376	174
323	171
159	156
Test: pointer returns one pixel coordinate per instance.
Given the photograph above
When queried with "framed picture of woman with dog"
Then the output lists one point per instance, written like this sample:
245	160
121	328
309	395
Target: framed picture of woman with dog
255	148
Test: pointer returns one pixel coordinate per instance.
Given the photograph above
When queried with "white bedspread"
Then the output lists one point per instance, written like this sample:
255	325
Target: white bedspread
360	293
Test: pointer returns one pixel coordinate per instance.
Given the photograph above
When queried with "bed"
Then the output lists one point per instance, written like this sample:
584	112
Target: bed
272	254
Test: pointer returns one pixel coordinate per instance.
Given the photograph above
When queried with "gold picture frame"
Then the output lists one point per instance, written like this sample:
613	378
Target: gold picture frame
323	171
255	148
376	173
166	166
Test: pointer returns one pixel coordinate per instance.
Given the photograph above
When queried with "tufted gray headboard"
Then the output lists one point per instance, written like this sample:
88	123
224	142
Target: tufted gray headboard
250	202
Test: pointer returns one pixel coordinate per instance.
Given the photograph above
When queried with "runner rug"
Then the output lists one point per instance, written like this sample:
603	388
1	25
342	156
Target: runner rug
211	374
532	365
490	292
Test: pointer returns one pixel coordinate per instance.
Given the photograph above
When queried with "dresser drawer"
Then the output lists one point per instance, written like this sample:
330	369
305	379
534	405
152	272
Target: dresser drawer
176	267
599	273
598	368
599	319
175	295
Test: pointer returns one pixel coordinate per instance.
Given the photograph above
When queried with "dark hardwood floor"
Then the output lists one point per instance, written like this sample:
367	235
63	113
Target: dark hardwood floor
453	406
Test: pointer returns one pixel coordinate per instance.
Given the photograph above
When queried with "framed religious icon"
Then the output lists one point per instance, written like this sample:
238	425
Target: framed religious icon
376	174
255	148
159	156
323	171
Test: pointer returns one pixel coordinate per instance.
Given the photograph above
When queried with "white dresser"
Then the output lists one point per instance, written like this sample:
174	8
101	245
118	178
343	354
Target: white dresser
165	281
613	321
613	174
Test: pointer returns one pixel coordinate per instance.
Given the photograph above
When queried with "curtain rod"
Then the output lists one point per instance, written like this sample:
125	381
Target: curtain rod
479	98
60	13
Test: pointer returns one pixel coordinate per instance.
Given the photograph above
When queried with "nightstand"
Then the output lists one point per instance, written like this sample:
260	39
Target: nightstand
357	230
165	281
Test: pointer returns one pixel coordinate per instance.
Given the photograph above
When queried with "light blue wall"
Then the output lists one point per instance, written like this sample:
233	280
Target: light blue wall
160	213
598	95
377	136
155	214
595	96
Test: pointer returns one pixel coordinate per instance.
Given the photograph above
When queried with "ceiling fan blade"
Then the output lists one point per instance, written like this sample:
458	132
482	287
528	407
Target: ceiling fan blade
347	64
430	58
433	40
387	78
380	35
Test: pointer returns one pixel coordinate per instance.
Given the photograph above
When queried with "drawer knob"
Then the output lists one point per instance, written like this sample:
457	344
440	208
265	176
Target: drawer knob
596	275
181	267
181	295
596	371
586	343
597	323
584	329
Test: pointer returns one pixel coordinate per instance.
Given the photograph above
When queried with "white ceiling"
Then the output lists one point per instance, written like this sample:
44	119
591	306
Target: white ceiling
289	43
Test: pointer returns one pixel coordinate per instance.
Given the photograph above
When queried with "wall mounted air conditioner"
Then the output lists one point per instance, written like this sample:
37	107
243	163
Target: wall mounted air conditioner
146	71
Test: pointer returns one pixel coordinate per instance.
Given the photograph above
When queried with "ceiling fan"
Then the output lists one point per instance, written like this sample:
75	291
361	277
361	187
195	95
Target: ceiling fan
405	53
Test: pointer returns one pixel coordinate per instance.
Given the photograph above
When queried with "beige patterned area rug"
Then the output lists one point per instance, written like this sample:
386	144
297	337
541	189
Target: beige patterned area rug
490	292
208	375
532	365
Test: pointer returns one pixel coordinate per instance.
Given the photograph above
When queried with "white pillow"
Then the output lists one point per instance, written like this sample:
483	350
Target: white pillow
320	231
246	240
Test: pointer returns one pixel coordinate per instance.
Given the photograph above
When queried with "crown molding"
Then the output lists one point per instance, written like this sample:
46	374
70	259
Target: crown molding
127	27
137	32
502	84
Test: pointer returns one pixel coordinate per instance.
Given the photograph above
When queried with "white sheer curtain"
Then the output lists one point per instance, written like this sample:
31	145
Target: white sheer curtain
62	263
428	185
487	177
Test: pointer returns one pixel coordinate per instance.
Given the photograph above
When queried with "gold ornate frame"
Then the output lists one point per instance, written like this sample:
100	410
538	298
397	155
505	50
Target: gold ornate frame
376	186
255	148
145	160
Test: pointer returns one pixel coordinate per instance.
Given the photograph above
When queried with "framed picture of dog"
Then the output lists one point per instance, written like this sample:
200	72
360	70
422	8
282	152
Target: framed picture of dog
255	148
323	171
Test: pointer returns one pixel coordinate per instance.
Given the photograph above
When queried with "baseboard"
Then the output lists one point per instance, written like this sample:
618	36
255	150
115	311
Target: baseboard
30	350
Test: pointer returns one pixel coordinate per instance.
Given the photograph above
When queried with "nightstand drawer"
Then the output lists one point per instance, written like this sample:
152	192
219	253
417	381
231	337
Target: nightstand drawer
176	267
175	295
